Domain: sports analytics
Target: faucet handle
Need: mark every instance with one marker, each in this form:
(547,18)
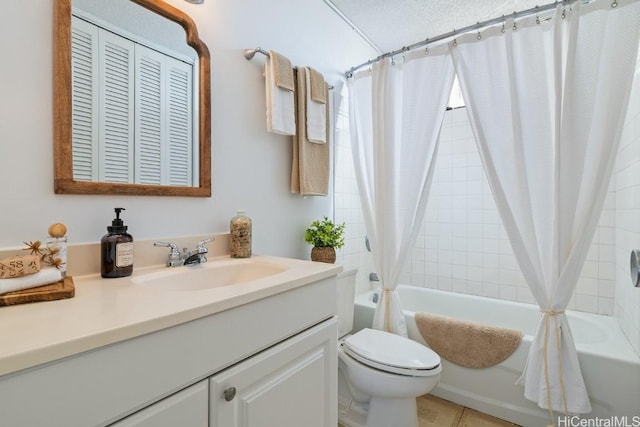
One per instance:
(201,245)
(174,254)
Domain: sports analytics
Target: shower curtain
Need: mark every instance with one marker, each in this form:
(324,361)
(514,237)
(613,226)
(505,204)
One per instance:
(547,102)
(396,112)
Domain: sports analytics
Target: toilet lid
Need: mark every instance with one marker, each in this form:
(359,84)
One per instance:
(387,349)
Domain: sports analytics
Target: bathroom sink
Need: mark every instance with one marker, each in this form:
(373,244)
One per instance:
(211,275)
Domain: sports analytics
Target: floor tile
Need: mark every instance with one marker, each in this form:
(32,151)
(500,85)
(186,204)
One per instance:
(472,418)
(436,412)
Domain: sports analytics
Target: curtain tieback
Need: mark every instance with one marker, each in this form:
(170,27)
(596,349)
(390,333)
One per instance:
(387,309)
(553,314)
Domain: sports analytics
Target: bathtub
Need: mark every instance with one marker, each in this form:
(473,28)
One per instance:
(610,366)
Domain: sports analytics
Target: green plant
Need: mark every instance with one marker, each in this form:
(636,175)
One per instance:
(325,234)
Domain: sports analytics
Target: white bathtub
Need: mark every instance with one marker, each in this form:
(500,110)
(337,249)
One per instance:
(610,366)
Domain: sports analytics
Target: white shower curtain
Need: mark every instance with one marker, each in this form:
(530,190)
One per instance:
(396,112)
(547,103)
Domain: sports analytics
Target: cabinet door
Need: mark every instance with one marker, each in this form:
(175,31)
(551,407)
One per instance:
(187,408)
(292,384)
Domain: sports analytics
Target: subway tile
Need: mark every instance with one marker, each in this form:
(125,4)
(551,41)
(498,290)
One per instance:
(444,283)
(588,303)
(491,260)
(474,287)
(587,286)
(508,292)
(460,285)
(491,290)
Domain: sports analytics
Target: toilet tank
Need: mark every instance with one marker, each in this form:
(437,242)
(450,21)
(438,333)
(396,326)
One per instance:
(346,294)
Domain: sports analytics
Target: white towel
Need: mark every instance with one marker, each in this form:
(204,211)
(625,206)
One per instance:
(316,116)
(281,116)
(45,276)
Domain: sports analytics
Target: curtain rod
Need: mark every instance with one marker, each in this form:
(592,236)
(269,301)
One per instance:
(250,53)
(469,28)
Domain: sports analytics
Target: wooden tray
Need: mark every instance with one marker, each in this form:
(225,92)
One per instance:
(59,290)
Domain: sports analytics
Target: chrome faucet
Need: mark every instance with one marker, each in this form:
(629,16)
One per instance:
(186,257)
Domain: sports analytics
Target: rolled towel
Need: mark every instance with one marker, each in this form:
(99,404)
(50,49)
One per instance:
(316,114)
(45,276)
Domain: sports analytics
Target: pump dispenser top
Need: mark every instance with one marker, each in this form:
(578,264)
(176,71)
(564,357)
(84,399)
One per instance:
(117,225)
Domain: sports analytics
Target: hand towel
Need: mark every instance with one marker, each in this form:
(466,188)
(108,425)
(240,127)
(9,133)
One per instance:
(280,102)
(318,86)
(311,162)
(282,71)
(45,276)
(316,114)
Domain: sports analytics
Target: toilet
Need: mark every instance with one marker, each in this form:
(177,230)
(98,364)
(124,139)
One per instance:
(379,374)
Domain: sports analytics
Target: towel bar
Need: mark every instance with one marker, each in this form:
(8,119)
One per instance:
(250,53)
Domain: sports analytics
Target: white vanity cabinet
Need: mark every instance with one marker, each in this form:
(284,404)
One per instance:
(278,351)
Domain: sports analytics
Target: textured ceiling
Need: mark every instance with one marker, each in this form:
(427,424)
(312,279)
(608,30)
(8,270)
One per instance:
(392,24)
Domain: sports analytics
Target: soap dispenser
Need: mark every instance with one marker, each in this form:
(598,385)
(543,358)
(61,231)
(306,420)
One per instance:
(117,249)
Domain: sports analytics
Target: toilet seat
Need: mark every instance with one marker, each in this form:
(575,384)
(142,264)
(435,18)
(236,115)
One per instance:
(391,353)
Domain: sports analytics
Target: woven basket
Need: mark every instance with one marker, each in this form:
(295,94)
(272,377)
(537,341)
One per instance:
(323,254)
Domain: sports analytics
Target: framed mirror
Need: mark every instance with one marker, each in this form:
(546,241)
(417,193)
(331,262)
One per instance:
(66,176)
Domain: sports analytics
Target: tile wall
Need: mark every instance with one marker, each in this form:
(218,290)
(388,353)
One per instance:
(627,219)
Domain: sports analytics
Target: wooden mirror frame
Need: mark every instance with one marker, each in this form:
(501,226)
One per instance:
(62,110)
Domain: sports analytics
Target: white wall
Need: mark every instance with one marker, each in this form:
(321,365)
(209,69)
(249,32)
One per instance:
(250,168)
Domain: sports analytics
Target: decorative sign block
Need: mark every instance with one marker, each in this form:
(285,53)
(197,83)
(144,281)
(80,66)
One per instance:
(19,266)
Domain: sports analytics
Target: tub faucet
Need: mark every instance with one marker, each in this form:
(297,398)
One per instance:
(186,257)
(199,256)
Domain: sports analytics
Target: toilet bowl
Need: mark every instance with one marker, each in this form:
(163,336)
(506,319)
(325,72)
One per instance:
(380,374)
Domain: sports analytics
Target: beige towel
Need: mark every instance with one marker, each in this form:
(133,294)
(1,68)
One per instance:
(318,86)
(316,114)
(282,71)
(281,116)
(465,343)
(310,166)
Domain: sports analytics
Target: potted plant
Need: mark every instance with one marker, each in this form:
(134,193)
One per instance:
(325,236)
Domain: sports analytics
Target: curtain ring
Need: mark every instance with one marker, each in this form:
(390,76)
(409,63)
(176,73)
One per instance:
(515,27)
(537,16)
(614,4)
(455,40)
(479,37)
(426,48)
(564,13)
(503,22)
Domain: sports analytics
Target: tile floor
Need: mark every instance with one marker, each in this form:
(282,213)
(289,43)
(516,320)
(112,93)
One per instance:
(436,412)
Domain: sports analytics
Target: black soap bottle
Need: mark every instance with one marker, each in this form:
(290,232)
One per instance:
(117,249)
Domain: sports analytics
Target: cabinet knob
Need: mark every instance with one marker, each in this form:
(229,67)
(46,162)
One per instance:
(229,394)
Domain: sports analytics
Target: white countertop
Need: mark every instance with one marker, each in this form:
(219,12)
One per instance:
(105,311)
